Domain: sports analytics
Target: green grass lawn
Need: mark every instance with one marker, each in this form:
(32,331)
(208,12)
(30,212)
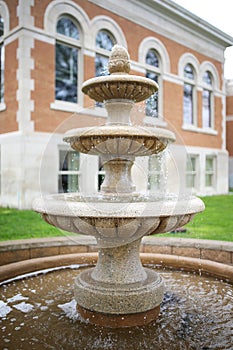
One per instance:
(216,222)
(20,224)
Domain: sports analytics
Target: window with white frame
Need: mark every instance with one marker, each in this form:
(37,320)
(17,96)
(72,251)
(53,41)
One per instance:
(67,59)
(210,171)
(207,100)
(69,171)
(154,173)
(104,44)
(152,72)
(189,95)
(2,60)
(191,171)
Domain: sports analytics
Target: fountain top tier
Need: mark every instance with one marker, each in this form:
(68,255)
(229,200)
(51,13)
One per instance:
(119,91)
(119,84)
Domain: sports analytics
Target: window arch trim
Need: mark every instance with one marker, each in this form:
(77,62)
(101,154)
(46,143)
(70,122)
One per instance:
(185,59)
(106,23)
(56,9)
(208,66)
(5,14)
(153,43)
(190,59)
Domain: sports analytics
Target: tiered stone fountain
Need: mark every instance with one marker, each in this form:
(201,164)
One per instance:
(119,291)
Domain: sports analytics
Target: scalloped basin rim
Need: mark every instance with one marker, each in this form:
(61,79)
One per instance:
(119,131)
(61,206)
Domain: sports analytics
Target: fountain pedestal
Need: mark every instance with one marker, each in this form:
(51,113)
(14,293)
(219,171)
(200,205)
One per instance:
(119,292)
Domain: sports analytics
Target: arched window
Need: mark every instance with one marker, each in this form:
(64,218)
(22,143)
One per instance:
(152,72)
(189,95)
(2,60)
(154,59)
(67,59)
(207,100)
(104,44)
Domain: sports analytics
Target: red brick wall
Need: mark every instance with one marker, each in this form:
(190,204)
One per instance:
(229,105)
(8,117)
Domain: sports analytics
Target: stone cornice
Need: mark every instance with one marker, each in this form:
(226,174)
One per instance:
(174,22)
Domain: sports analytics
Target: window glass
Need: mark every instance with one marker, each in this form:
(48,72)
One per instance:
(152,103)
(68,177)
(206,108)
(209,171)
(207,79)
(66,73)
(105,40)
(188,105)
(152,58)
(101,65)
(188,72)
(206,101)
(191,171)
(66,26)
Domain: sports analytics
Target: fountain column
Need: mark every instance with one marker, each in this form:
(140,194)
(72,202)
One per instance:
(119,292)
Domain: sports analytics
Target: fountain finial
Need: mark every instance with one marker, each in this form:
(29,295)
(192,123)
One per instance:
(119,60)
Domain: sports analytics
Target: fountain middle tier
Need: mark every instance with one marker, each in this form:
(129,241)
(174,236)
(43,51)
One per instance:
(119,140)
(118,221)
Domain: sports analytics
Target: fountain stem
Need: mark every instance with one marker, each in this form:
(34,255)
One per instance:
(119,265)
(118,179)
(119,111)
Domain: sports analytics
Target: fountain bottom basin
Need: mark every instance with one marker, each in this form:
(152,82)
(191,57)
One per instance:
(40,312)
(119,305)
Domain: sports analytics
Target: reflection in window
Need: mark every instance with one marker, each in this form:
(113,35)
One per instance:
(2,61)
(105,40)
(68,175)
(152,60)
(101,64)
(206,101)
(191,172)
(104,44)
(66,26)
(66,73)
(188,95)
(66,80)
(209,171)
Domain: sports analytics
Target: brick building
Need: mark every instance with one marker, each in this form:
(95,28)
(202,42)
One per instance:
(48,48)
